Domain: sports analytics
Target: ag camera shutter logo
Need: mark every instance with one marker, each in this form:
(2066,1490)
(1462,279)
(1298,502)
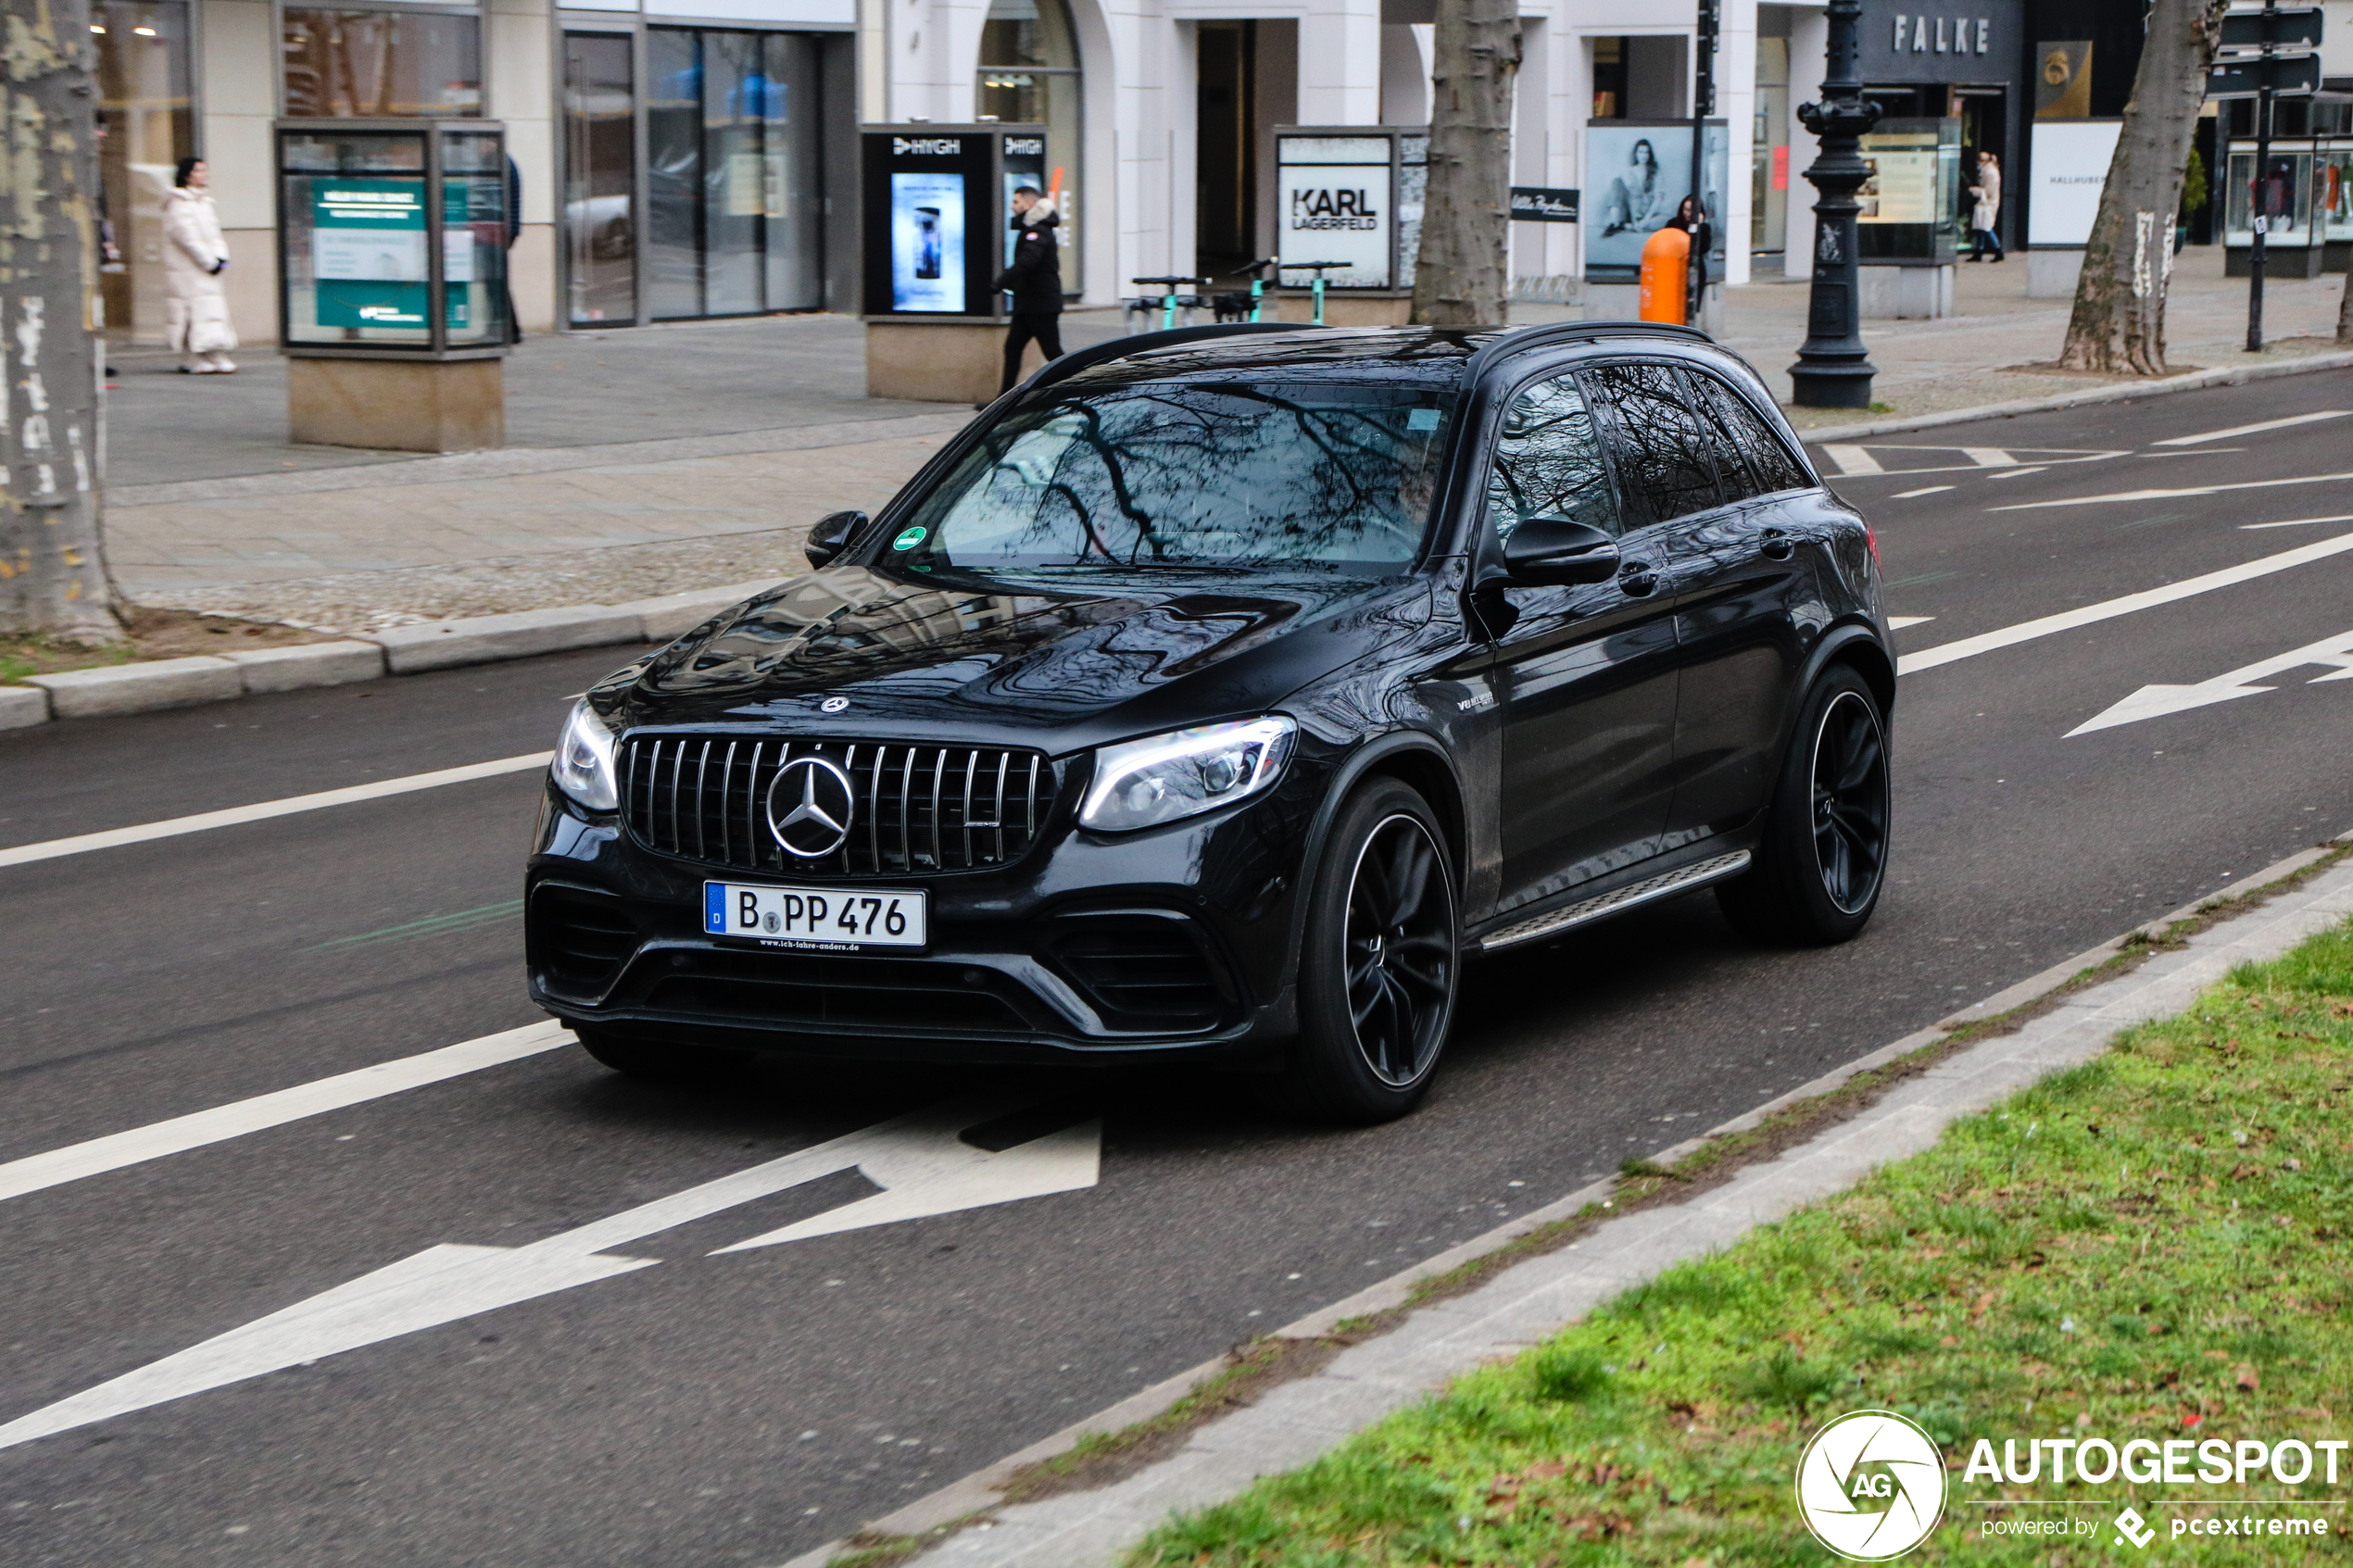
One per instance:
(1870,1486)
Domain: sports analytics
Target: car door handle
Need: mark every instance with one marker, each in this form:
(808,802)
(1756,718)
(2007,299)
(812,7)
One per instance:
(1637,578)
(1776,545)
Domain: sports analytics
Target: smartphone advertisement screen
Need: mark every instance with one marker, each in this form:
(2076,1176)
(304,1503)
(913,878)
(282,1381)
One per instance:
(933,219)
(928,242)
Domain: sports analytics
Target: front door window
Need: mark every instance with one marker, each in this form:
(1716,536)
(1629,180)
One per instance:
(1587,674)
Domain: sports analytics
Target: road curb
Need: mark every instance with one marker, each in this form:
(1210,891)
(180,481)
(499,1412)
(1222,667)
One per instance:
(2010,1062)
(160,683)
(2228,375)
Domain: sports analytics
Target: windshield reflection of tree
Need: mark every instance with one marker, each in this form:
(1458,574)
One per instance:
(1222,475)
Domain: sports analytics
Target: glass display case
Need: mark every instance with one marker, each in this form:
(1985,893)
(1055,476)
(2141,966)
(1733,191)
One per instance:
(2289,188)
(1913,206)
(393,238)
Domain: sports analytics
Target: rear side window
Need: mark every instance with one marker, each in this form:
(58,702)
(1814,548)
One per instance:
(1663,442)
(1770,468)
(1548,462)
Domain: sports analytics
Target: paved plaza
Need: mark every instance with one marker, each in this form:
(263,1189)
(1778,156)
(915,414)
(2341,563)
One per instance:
(656,459)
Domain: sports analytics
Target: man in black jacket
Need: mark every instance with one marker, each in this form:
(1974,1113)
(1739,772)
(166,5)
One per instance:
(1035,279)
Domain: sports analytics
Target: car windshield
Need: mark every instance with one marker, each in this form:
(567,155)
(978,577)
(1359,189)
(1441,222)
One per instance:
(1191,474)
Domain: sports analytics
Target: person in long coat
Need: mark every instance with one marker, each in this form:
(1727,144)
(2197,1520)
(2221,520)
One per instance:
(196,307)
(1988,211)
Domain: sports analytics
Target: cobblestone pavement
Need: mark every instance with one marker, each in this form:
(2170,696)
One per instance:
(664,458)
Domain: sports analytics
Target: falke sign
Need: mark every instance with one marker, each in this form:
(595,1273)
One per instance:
(1974,41)
(1921,35)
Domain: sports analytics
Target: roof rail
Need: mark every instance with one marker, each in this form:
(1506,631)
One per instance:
(1574,332)
(1080,360)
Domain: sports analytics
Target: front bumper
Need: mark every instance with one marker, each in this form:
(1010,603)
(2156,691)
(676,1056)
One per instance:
(1177,941)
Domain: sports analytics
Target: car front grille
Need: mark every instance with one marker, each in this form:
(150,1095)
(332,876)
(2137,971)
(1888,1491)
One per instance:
(914,808)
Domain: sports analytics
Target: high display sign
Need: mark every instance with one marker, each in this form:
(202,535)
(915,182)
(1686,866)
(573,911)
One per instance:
(937,198)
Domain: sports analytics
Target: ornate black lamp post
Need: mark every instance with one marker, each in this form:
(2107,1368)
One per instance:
(1831,371)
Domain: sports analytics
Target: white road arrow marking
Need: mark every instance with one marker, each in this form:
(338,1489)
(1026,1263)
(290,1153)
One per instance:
(2155,702)
(2173,495)
(919,1159)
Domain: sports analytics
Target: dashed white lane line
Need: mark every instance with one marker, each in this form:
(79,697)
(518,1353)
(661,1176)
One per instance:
(179,1134)
(1930,490)
(2297,522)
(172,827)
(2026,632)
(1898,623)
(1852,460)
(2252,429)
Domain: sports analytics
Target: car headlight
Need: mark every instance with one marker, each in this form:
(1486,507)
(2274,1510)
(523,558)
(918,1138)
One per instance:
(583,768)
(1141,783)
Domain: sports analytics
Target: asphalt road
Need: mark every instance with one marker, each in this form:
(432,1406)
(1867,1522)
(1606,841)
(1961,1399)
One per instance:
(743,1407)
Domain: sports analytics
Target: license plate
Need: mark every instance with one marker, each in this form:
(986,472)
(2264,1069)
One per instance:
(817,917)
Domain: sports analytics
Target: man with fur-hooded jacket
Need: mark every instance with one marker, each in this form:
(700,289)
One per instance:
(1035,279)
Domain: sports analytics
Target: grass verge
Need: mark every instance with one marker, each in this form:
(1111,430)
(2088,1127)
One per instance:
(2153,1245)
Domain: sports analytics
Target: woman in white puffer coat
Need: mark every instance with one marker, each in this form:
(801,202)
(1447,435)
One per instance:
(196,307)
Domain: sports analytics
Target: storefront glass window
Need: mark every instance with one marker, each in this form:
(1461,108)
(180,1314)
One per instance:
(1029,75)
(733,172)
(344,65)
(144,115)
(601,178)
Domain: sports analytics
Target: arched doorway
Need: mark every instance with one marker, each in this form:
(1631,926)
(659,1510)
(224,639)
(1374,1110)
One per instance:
(1029,74)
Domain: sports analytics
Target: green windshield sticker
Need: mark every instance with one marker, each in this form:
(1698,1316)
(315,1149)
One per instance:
(908,539)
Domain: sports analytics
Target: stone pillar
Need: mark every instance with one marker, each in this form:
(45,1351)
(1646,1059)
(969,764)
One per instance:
(236,69)
(1339,63)
(518,61)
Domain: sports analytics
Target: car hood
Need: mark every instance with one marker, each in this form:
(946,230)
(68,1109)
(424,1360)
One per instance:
(1057,669)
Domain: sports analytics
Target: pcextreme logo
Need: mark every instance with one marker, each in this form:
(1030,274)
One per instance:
(1870,1486)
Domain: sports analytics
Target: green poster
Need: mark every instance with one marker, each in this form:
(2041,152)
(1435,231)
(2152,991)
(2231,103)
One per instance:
(367,251)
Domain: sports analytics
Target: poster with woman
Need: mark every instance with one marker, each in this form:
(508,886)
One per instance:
(1637,174)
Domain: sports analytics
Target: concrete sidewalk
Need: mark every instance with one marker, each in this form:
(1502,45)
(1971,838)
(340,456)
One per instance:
(657,459)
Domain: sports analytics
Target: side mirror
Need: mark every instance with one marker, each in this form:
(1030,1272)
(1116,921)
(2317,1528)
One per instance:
(830,534)
(1552,549)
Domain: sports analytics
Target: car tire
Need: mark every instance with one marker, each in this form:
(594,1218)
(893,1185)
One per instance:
(654,1062)
(1381,962)
(1822,861)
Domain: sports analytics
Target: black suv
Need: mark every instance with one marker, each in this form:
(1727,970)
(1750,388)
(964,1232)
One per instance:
(1218,694)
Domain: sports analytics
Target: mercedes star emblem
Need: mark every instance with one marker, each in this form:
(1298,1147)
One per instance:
(809,807)
(834,704)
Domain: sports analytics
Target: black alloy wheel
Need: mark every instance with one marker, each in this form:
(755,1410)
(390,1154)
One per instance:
(1821,859)
(1382,958)
(1850,802)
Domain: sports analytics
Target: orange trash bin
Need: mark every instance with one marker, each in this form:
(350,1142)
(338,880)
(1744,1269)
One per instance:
(1666,257)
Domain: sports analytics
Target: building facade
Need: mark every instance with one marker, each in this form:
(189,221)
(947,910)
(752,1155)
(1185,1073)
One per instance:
(688,158)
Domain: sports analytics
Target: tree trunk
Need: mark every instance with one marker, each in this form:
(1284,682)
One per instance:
(1460,273)
(2119,324)
(52,575)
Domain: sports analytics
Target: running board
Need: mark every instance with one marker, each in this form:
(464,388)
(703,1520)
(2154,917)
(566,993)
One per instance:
(1625,898)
